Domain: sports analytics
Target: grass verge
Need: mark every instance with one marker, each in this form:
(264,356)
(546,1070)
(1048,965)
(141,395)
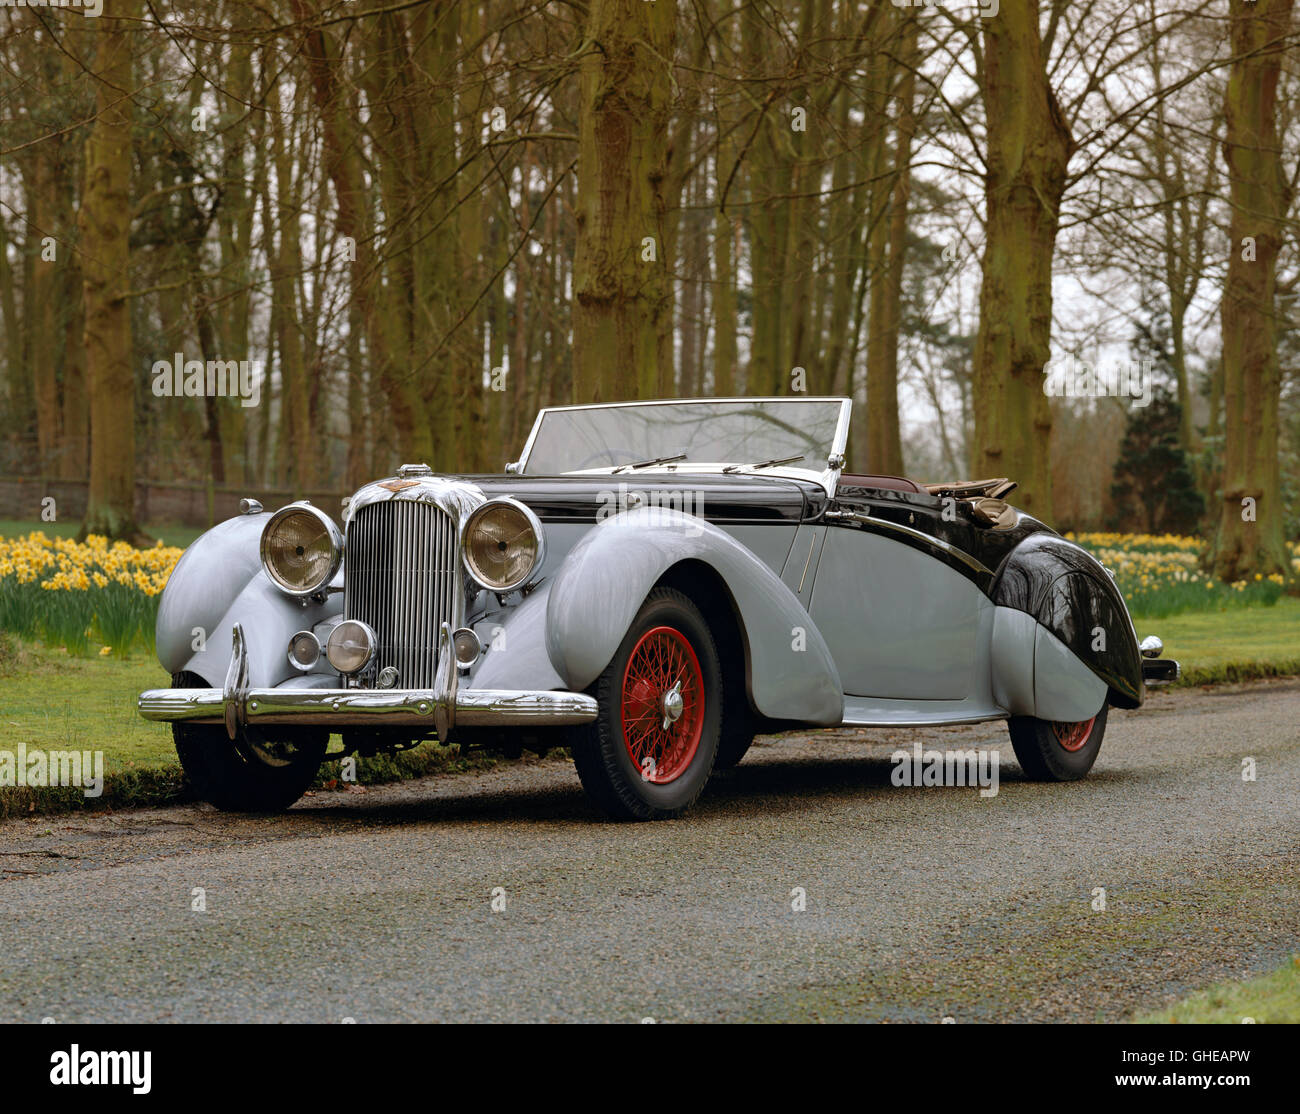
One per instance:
(1271,999)
(1234,644)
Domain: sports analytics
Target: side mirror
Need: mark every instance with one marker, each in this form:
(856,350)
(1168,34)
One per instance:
(512,469)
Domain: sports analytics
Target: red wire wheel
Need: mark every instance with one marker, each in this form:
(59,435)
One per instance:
(662,684)
(1073,736)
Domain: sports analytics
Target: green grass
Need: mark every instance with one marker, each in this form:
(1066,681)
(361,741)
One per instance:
(54,701)
(1234,644)
(1270,999)
(170,535)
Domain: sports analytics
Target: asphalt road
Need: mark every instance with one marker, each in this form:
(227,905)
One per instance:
(921,903)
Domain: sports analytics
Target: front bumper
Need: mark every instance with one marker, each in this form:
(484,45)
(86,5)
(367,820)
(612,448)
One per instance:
(437,709)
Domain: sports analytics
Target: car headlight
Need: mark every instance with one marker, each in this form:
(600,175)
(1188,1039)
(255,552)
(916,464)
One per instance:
(301,549)
(503,545)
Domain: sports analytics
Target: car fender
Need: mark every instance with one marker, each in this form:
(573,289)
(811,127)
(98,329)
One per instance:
(219,582)
(514,647)
(1072,596)
(601,585)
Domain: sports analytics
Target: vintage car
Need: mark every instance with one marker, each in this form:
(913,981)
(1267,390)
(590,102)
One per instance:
(651,584)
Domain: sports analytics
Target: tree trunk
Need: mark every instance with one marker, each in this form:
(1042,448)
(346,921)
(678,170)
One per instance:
(19,415)
(296,445)
(1250,538)
(343,162)
(40,306)
(621,292)
(891,462)
(1029,146)
(105,225)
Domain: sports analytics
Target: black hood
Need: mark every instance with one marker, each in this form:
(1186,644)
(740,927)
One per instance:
(716,498)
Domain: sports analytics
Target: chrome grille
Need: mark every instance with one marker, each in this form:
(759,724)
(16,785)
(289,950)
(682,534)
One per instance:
(400,578)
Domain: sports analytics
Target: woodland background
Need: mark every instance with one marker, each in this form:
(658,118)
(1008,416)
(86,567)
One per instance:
(422,220)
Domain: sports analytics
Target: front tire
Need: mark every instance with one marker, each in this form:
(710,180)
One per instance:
(259,773)
(1051,751)
(665,671)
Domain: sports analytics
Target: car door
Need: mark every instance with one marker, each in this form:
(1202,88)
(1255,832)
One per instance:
(899,608)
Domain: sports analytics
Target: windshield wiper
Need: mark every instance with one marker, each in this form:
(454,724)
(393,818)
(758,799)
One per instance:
(766,463)
(648,463)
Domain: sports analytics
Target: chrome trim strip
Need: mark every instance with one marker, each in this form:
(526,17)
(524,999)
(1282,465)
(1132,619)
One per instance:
(919,535)
(812,544)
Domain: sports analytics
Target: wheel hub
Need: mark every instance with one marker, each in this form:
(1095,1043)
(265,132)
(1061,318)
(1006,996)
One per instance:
(672,705)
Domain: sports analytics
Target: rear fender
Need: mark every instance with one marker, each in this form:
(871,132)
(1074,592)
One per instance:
(1070,594)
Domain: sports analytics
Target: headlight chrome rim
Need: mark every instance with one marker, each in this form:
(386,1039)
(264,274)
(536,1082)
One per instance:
(333,646)
(534,524)
(336,547)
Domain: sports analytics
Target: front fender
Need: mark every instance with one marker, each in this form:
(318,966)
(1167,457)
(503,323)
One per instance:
(600,587)
(219,582)
(1070,593)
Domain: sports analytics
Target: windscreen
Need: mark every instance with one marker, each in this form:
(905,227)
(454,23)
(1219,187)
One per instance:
(738,431)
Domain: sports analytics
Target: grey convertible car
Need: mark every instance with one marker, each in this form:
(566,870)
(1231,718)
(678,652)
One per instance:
(651,584)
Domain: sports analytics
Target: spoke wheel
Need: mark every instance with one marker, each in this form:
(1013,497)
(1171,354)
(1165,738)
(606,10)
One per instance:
(663,704)
(652,746)
(1073,736)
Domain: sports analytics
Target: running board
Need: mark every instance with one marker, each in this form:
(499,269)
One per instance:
(878,711)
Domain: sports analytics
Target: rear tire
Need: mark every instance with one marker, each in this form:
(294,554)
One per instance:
(737,738)
(1051,751)
(629,765)
(259,773)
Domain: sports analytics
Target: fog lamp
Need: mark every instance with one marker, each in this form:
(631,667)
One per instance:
(351,646)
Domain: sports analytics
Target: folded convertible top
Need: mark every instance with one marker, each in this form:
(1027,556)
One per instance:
(998,488)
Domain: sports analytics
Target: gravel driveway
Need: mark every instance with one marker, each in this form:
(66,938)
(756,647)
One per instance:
(920,903)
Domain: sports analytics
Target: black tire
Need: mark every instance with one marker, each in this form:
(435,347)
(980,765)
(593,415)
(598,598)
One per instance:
(260,773)
(613,780)
(1044,756)
(737,737)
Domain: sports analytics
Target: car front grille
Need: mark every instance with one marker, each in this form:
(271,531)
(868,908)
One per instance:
(400,578)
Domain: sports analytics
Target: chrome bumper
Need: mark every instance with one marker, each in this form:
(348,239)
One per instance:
(437,709)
